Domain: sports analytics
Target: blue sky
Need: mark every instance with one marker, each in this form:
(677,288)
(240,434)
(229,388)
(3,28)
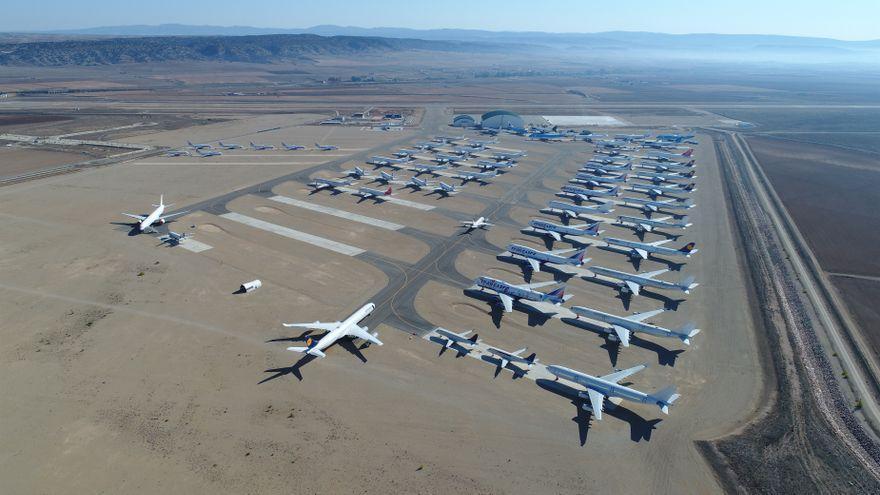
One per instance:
(847,19)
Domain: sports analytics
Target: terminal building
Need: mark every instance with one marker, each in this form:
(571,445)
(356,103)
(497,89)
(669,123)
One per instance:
(500,119)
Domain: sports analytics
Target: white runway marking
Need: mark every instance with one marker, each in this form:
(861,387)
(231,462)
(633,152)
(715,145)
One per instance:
(314,240)
(398,201)
(338,213)
(194,246)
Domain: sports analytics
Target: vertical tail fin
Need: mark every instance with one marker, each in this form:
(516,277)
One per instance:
(687,248)
(557,294)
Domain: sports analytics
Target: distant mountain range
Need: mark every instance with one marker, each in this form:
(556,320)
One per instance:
(142,43)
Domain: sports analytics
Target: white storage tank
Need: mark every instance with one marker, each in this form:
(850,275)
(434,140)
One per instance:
(251,286)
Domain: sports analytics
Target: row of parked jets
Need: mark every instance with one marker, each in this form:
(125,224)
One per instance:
(206,150)
(589,189)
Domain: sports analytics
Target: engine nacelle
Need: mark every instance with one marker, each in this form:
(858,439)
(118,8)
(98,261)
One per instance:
(161,221)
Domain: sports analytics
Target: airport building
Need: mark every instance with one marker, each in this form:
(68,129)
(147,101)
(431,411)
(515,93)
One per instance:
(500,119)
(463,121)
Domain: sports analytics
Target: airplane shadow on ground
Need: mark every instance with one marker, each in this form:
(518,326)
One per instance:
(346,343)
(640,428)
(517,371)
(459,350)
(132,228)
(665,357)
(496,311)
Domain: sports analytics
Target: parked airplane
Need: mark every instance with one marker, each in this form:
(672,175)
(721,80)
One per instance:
(655,191)
(320,183)
(478,143)
(374,194)
(508,155)
(583,194)
(199,146)
(644,249)
(479,223)
(229,146)
(453,338)
(622,327)
(600,387)
(385,178)
(384,161)
(417,183)
(659,177)
(337,330)
(536,258)
(444,158)
(177,153)
(597,180)
(661,156)
(292,147)
(557,232)
(633,282)
(146,222)
(648,225)
(357,173)
(262,147)
(651,205)
(675,137)
(507,357)
(326,147)
(570,210)
(481,177)
(173,238)
(546,136)
(421,168)
(604,168)
(204,153)
(490,165)
(426,145)
(402,153)
(631,137)
(523,293)
(447,190)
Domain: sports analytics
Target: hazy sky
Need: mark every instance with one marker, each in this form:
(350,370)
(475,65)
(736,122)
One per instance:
(846,19)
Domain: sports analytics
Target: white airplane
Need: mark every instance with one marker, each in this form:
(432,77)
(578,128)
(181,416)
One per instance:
(421,168)
(374,194)
(508,155)
(384,161)
(481,177)
(335,331)
(453,338)
(292,147)
(667,166)
(262,147)
(654,205)
(490,165)
(199,146)
(644,249)
(668,157)
(417,183)
(557,232)
(633,282)
(600,387)
(357,173)
(229,146)
(155,218)
(507,357)
(658,177)
(402,153)
(177,153)
(385,178)
(649,224)
(326,147)
(479,223)
(524,293)
(536,258)
(206,153)
(622,327)
(654,191)
(321,183)
(597,180)
(570,210)
(444,158)
(173,238)
(447,190)
(583,194)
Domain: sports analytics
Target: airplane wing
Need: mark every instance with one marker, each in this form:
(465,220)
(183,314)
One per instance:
(315,325)
(633,287)
(622,334)
(174,214)
(554,235)
(644,316)
(362,333)
(597,400)
(139,217)
(660,242)
(654,273)
(620,375)
(642,253)
(507,301)
(536,266)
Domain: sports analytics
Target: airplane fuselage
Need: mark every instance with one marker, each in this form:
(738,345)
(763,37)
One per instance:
(604,387)
(502,287)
